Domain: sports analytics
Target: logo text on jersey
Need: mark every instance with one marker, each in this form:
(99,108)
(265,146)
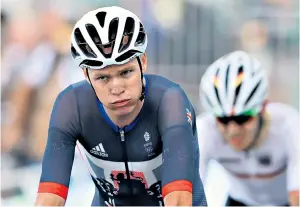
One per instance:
(148,145)
(99,150)
(189,116)
(147,136)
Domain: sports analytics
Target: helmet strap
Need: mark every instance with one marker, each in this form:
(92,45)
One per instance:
(142,76)
(88,75)
(257,133)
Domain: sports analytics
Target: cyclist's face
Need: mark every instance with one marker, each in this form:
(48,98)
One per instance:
(119,87)
(238,131)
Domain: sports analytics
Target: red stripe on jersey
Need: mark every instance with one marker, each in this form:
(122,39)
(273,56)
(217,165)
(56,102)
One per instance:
(54,188)
(178,185)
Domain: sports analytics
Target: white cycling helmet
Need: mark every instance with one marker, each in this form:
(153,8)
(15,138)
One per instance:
(107,36)
(233,85)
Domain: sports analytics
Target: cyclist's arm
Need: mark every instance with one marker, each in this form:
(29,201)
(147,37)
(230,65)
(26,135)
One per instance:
(180,148)
(204,146)
(204,160)
(49,199)
(293,149)
(178,198)
(59,153)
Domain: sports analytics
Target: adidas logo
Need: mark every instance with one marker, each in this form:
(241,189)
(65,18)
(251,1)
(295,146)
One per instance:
(99,150)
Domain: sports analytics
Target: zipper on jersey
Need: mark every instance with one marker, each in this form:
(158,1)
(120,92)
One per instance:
(123,143)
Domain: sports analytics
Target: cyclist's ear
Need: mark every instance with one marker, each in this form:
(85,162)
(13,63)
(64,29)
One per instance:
(144,62)
(86,75)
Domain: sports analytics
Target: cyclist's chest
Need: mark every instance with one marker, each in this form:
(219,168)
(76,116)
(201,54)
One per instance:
(266,162)
(121,162)
(141,143)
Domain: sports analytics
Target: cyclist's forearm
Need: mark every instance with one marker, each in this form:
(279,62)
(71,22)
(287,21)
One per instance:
(49,199)
(178,198)
(294,198)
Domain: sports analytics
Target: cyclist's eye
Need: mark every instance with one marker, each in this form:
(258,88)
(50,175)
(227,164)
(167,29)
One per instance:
(102,78)
(242,119)
(223,120)
(126,72)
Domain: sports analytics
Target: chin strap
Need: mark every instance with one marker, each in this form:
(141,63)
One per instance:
(257,134)
(143,86)
(88,75)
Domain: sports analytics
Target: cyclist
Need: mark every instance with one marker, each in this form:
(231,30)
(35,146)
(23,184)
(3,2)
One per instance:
(137,133)
(256,141)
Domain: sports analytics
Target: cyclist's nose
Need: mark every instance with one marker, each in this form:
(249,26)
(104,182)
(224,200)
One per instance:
(117,91)
(116,86)
(232,126)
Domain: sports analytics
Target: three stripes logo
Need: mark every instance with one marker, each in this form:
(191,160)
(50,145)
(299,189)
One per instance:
(99,150)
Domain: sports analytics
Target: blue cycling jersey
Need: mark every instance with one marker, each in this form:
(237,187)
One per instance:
(136,165)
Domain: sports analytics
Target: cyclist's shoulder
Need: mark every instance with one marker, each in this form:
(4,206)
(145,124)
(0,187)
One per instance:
(282,116)
(80,88)
(76,102)
(281,109)
(206,119)
(160,86)
(159,82)
(207,129)
(79,96)
(282,120)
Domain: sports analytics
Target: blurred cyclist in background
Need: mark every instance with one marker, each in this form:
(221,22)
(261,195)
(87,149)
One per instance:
(136,132)
(256,141)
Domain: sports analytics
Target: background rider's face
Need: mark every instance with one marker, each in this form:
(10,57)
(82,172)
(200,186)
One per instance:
(238,136)
(119,87)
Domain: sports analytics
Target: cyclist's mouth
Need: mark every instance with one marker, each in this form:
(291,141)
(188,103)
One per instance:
(236,140)
(121,103)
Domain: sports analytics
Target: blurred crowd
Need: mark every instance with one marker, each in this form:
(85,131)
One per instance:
(185,36)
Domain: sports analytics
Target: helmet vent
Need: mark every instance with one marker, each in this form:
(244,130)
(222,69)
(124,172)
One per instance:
(82,44)
(216,89)
(101,18)
(253,91)
(237,90)
(74,53)
(140,40)
(92,63)
(226,79)
(127,55)
(127,34)
(208,101)
(104,49)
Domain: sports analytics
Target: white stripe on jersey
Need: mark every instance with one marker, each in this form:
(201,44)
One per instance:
(145,167)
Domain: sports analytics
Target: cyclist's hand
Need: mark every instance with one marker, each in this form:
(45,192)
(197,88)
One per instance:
(294,198)
(179,198)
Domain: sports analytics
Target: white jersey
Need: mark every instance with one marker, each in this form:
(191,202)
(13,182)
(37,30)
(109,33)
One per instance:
(265,174)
